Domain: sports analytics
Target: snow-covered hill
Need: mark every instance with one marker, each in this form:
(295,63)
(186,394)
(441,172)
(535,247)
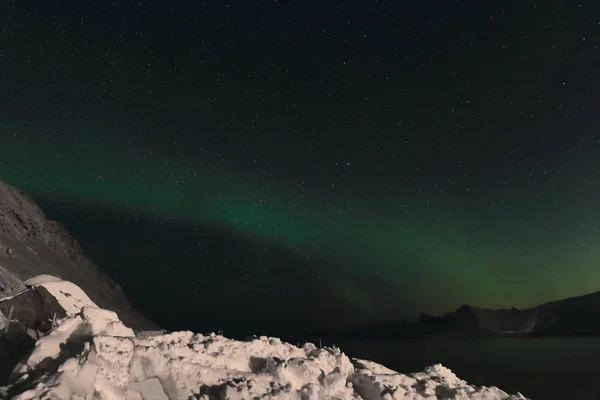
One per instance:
(31,245)
(91,354)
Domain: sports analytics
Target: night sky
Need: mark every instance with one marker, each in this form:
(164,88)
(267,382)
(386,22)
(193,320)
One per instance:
(313,162)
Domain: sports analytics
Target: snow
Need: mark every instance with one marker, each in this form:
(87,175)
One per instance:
(3,320)
(40,280)
(70,296)
(93,355)
(70,337)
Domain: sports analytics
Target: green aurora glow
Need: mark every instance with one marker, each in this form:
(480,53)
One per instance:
(449,259)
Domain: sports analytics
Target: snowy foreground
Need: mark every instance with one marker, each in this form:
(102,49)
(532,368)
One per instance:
(92,355)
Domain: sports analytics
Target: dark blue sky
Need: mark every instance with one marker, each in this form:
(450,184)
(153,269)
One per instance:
(333,162)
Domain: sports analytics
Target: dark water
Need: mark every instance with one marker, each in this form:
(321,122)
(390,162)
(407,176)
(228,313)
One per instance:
(544,369)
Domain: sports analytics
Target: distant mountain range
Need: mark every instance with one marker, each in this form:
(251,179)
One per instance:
(32,245)
(572,316)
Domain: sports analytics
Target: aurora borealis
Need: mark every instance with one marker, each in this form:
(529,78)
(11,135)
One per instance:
(330,162)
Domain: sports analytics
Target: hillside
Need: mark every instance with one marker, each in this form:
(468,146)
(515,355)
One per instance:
(571,316)
(32,245)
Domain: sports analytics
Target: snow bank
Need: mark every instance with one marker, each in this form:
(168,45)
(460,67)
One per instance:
(40,280)
(69,339)
(70,296)
(93,355)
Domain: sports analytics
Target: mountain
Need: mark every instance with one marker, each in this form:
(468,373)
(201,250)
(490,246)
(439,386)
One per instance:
(32,245)
(88,353)
(571,316)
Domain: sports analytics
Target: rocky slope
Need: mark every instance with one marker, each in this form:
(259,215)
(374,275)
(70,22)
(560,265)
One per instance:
(32,245)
